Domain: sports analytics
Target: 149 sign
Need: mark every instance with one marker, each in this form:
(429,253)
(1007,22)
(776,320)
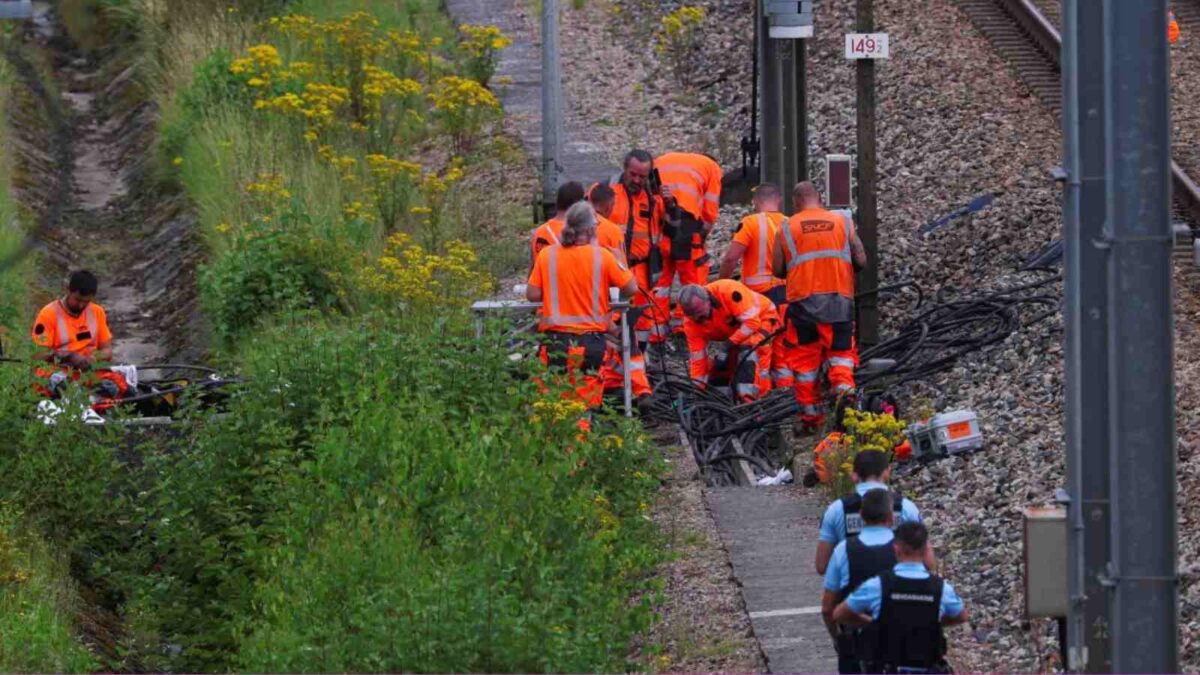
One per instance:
(866,45)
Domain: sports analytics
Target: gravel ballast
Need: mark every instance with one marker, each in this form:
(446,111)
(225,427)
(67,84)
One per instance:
(954,123)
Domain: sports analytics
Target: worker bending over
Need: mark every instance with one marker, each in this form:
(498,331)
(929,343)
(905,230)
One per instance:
(691,191)
(639,211)
(726,310)
(817,252)
(753,248)
(843,518)
(72,335)
(907,607)
(854,561)
(610,237)
(571,279)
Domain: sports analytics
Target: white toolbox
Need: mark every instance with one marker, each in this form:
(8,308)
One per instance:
(948,433)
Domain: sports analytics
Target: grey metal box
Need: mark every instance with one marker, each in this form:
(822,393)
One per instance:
(1046,592)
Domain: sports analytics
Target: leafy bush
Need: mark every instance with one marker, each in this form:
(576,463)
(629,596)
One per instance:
(486,533)
(271,268)
(864,431)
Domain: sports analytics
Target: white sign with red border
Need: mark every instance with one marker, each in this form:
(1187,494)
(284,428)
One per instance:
(866,46)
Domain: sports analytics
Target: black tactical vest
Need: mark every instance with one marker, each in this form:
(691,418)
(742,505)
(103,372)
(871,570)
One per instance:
(910,628)
(852,507)
(866,562)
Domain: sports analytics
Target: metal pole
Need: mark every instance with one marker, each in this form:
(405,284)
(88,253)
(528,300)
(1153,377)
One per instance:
(867,220)
(784,113)
(1086,335)
(552,105)
(626,366)
(1142,396)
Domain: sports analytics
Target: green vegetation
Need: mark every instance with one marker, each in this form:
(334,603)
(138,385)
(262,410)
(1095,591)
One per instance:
(385,491)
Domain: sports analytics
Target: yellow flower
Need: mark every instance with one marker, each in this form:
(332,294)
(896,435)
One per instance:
(222,228)
(178,161)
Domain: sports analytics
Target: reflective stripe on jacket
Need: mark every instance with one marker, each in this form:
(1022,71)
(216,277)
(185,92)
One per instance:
(575,282)
(757,233)
(817,253)
(696,180)
(739,315)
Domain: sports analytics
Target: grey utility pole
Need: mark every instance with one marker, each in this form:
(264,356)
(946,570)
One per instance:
(1086,335)
(867,217)
(784,103)
(552,106)
(1141,395)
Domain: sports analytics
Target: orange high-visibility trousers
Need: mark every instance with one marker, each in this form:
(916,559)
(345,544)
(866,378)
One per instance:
(643,328)
(781,348)
(582,359)
(689,273)
(612,373)
(815,345)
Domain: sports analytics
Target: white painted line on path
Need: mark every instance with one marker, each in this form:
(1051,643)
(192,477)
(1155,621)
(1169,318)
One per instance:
(795,611)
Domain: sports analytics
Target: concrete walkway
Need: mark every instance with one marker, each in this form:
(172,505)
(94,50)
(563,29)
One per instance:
(771,535)
(521,62)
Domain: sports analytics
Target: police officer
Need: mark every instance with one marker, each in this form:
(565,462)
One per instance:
(843,518)
(854,561)
(908,607)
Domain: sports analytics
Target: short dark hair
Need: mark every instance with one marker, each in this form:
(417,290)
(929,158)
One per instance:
(602,194)
(912,536)
(83,282)
(876,505)
(870,464)
(568,195)
(768,191)
(640,155)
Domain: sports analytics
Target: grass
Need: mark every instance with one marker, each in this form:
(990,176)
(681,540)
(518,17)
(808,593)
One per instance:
(386,492)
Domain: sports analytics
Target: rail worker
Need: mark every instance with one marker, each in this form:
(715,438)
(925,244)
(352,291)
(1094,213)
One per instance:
(550,232)
(726,310)
(691,191)
(843,517)
(72,336)
(753,247)
(1172,27)
(817,251)
(610,236)
(572,279)
(854,561)
(908,607)
(639,210)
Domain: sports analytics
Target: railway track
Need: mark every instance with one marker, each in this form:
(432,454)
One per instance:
(1031,45)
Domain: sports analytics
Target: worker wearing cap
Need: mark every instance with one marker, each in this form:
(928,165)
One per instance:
(639,212)
(571,279)
(610,237)
(817,252)
(72,333)
(727,310)
(753,248)
(691,191)
(908,607)
(854,561)
(843,518)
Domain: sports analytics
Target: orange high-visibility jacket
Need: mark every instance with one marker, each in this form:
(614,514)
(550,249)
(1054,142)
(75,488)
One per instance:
(640,219)
(610,236)
(739,315)
(758,232)
(575,282)
(696,181)
(817,253)
(1172,27)
(56,329)
(548,233)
